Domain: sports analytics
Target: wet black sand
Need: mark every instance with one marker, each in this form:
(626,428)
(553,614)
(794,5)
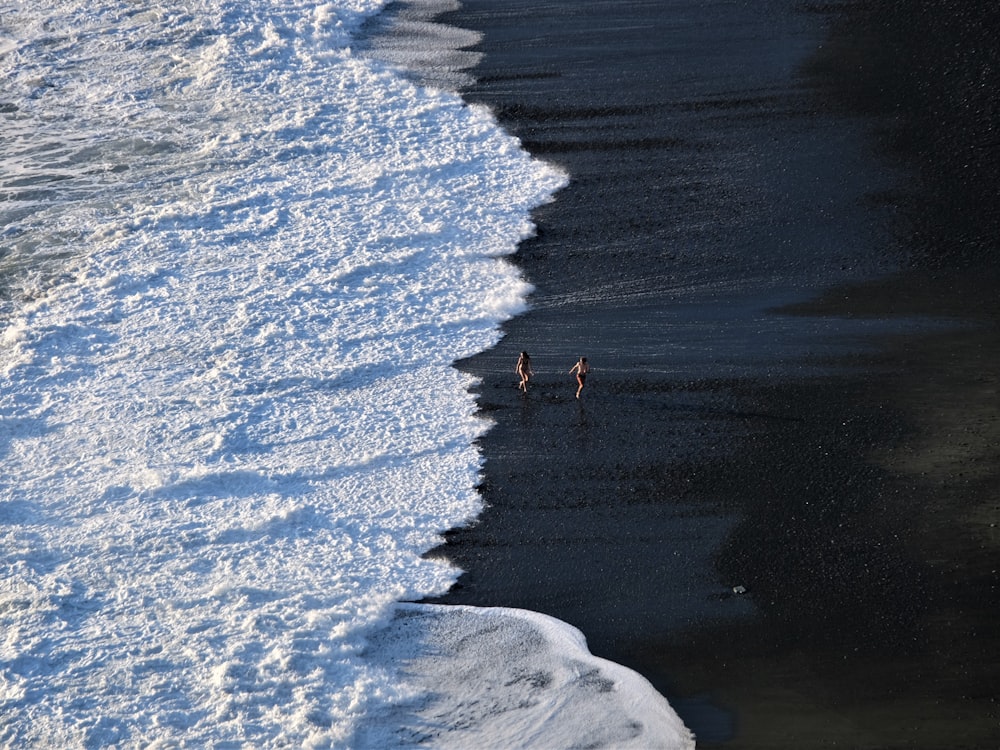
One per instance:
(778,251)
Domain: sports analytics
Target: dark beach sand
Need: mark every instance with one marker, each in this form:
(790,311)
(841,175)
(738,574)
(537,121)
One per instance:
(778,251)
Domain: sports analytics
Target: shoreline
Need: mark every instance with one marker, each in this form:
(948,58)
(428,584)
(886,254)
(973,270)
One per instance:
(768,408)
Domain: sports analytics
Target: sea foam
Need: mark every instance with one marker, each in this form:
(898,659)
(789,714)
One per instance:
(239,260)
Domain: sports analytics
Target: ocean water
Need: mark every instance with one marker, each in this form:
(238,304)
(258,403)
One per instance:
(237,259)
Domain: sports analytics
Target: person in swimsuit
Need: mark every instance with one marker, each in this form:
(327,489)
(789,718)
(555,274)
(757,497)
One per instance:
(581,369)
(524,370)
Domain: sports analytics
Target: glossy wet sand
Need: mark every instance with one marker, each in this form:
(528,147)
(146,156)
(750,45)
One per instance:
(787,291)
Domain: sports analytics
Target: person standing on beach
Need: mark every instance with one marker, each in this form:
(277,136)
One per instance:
(524,370)
(581,369)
